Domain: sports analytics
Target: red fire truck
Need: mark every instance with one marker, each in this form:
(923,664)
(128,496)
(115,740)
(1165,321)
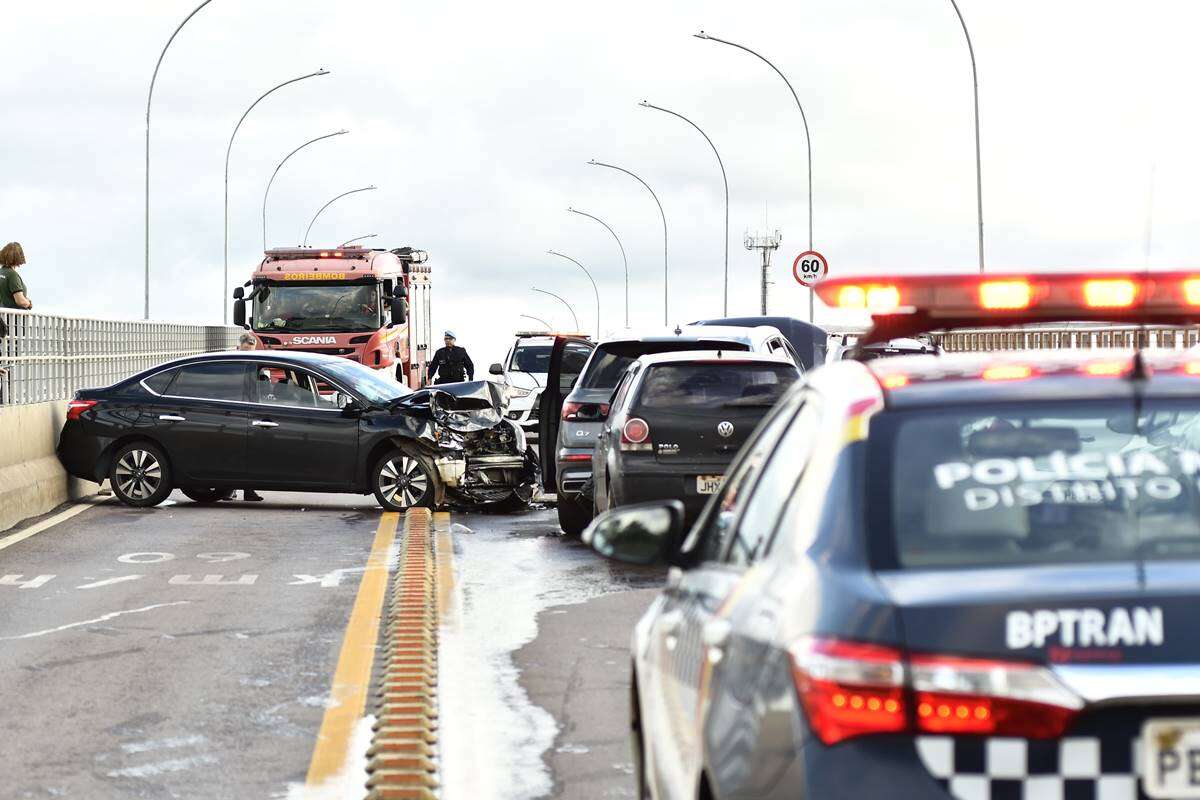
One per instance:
(368,305)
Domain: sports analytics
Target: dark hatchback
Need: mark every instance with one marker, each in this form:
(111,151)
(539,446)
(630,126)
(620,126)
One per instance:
(678,419)
(297,422)
(964,577)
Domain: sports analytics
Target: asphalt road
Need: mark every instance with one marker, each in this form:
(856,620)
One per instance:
(535,663)
(187,652)
(177,652)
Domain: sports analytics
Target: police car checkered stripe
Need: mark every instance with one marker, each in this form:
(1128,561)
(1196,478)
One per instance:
(1072,768)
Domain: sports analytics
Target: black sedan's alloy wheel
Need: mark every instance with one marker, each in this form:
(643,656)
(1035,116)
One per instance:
(139,475)
(402,481)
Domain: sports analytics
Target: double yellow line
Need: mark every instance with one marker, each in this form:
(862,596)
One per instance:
(352,678)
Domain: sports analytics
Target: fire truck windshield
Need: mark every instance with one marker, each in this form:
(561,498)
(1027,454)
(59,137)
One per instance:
(345,308)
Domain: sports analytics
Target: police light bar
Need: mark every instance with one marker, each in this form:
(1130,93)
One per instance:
(298,253)
(907,306)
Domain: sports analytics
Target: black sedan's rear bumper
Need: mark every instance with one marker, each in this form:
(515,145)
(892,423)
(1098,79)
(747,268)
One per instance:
(81,454)
(643,482)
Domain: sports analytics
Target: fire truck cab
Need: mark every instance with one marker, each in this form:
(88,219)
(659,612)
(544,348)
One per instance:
(371,306)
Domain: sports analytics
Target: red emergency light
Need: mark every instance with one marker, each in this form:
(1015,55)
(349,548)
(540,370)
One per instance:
(906,306)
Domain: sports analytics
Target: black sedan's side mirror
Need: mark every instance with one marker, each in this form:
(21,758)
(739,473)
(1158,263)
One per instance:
(643,533)
(352,409)
(496,369)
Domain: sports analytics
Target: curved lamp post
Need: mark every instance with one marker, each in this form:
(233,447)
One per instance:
(590,278)
(228,152)
(978,159)
(662,213)
(331,202)
(276,172)
(623,258)
(545,324)
(358,239)
(564,302)
(724,178)
(807,139)
(149,98)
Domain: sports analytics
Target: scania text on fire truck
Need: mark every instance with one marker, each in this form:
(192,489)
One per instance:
(371,306)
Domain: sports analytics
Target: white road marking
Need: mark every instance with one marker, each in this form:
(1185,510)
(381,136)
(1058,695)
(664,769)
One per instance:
(159,767)
(162,744)
(44,525)
(145,558)
(32,583)
(216,558)
(212,580)
(109,582)
(97,620)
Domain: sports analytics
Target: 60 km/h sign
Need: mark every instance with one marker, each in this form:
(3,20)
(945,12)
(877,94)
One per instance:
(810,268)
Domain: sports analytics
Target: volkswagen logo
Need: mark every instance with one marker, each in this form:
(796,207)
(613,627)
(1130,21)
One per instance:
(725,429)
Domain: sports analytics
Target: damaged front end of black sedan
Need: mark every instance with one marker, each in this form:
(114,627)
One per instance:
(479,456)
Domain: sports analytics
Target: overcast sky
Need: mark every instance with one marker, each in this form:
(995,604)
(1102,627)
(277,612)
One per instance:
(477,120)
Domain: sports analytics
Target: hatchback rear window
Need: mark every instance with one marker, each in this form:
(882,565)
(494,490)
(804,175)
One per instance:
(715,385)
(610,360)
(1036,483)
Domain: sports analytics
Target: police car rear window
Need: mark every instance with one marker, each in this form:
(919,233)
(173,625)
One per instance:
(1037,483)
(611,359)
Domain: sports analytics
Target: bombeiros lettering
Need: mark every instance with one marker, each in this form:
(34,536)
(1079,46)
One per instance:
(1085,627)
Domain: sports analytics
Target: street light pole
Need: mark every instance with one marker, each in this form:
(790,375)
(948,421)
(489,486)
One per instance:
(545,324)
(228,152)
(590,278)
(978,157)
(623,258)
(663,214)
(807,139)
(276,172)
(574,316)
(724,178)
(149,98)
(331,202)
(358,239)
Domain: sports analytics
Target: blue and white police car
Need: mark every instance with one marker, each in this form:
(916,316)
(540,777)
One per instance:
(969,576)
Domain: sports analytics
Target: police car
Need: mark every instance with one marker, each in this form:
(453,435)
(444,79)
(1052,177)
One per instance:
(927,577)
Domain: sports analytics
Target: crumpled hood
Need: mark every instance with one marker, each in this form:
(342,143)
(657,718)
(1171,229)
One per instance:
(464,407)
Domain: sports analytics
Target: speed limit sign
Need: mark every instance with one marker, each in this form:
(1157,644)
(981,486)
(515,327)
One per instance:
(810,268)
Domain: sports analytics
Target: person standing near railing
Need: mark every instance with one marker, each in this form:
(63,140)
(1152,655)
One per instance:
(13,293)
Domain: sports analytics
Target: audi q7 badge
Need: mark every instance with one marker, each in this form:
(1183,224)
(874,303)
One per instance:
(725,429)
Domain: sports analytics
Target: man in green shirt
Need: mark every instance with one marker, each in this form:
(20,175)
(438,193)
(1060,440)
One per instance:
(12,288)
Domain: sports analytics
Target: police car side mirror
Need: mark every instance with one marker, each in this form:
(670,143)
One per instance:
(643,533)
(496,369)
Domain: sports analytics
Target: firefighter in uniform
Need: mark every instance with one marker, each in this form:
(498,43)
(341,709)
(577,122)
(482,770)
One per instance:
(451,363)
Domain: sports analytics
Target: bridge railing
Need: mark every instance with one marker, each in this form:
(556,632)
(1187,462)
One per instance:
(47,357)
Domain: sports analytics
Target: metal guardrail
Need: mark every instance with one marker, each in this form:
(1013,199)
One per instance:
(48,357)
(1042,337)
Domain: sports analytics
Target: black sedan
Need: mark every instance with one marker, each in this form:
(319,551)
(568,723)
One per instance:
(678,419)
(295,422)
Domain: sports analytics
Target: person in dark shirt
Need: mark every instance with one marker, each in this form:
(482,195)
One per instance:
(451,363)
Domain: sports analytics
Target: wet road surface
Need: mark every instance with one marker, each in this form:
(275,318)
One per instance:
(535,663)
(178,652)
(187,652)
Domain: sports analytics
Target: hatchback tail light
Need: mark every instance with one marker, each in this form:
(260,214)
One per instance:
(849,689)
(584,412)
(635,434)
(77,407)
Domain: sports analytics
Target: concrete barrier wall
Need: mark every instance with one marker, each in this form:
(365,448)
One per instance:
(32,482)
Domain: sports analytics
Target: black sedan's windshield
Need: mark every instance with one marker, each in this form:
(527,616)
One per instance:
(374,386)
(344,308)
